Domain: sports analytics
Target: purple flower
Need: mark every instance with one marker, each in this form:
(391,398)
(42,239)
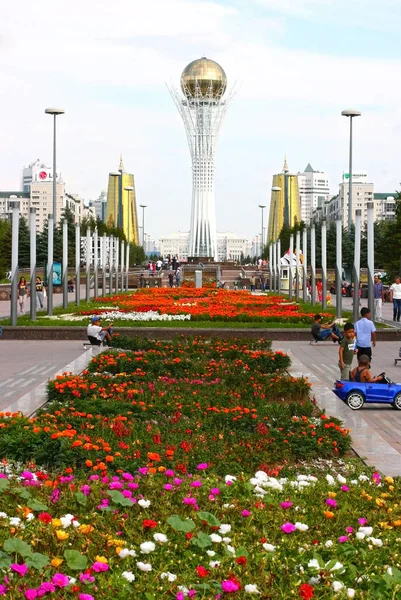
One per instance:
(331,502)
(127,476)
(345,488)
(100,567)
(285,504)
(169,473)
(55,495)
(46,587)
(60,580)
(20,569)
(177,481)
(288,527)
(132,485)
(342,539)
(30,594)
(65,479)
(362,521)
(3,590)
(27,475)
(168,486)
(85,597)
(143,470)
(350,530)
(196,483)
(376,478)
(93,477)
(85,577)
(189,500)
(229,586)
(246,513)
(85,489)
(202,466)
(215,491)
(115,485)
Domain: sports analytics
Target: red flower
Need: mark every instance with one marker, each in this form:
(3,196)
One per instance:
(305,591)
(189,535)
(202,572)
(45,518)
(241,560)
(149,524)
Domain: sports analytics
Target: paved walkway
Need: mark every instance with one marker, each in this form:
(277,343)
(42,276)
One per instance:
(375,429)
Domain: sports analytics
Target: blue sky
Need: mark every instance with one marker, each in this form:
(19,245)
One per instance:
(298,64)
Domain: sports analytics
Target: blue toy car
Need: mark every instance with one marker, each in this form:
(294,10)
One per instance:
(355,394)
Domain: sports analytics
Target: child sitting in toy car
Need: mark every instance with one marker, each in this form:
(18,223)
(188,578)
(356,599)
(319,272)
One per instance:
(361,373)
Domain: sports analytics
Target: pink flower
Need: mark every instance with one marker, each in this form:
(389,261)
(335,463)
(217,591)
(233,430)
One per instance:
(245,513)
(20,569)
(331,502)
(345,488)
(342,539)
(177,481)
(215,491)
(3,590)
(27,475)
(169,473)
(143,470)
(93,477)
(376,478)
(168,486)
(85,597)
(229,586)
(288,528)
(202,466)
(46,587)
(31,594)
(127,476)
(100,567)
(196,483)
(86,489)
(285,504)
(349,530)
(362,521)
(180,596)
(85,577)
(60,580)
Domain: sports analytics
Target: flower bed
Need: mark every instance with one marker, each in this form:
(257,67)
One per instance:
(200,305)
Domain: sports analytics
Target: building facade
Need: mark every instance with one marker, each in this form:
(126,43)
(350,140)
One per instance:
(229,246)
(41,198)
(37,172)
(362,193)
(202,108)
(284,204)
(121,210)
(313,191)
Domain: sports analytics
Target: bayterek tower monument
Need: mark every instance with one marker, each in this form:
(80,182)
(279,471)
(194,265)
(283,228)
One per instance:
(202,108)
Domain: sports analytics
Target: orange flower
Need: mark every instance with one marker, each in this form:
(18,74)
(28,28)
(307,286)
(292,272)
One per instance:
(328,514)
(56,562)
(62,535)
(89,463)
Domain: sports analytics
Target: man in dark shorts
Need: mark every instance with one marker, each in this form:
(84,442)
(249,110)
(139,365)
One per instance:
(365,334)
(323,332)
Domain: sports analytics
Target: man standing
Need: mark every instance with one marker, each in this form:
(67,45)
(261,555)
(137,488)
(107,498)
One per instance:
(395,298)
(378,296)
(365,334)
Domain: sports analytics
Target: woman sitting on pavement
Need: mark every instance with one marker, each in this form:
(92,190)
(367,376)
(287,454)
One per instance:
(320,332)
(361,373)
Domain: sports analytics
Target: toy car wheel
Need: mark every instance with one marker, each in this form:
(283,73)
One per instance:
(355,400)
(397,402)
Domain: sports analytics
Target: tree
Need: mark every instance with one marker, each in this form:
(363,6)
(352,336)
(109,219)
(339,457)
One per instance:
(5,262)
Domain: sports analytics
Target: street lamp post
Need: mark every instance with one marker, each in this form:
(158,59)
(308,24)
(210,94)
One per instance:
(54,112)
(130,190)
(351,113)
(143,206)
(14,261)
(262,207)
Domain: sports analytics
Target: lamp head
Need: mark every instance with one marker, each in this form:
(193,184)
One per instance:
(275,188)
(115,174)
(143,205)
(54,111)
(129,188)
(262,205)
(350,112)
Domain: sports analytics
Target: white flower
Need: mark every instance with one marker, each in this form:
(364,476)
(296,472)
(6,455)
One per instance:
(261,475)
(215,538)
(350,593)
(366,530)
(15,521)
(76,524)
(224,528)
(147,547)
(169,576)
(226,540)
(228,506)
(230,549)
(144,503)
(214,564)
(363,478)
(269,547)
(123,553)
(337,586)
(337,566)
(129,576)
(360,535)
(66,521)
(314,580)
(251,588)
(389,571)
(30,517)
(230,478)
(210,552)
(375,541)
(146,567)
(328,544)
(341,479)
(72,581)
(330,479)
(160,537)
(3,515)
(314,564)
(132,553)
(301,526)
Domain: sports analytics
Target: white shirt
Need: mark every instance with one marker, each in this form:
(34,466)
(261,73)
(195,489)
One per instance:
(94,331)
(396,289)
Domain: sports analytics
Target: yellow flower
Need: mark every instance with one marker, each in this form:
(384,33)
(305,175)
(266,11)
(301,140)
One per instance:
(101,559)
(391,488)
(85,529)
(385,525)
(56,562)
(385,495)
(389,480)
(380,502)
(118,549)
(332,494)
(56,522)
(62,535)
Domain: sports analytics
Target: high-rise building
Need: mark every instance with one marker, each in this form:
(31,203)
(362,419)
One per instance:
(121,210)
(362,192)
(284,204)
(202,108)
(313,191)
(37,172)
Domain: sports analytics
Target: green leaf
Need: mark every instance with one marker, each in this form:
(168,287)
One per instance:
(4,483)
(5,560)
(36,505)
(118,498)
(75,560)
(17,545)
(185,525)
(241,551)
(202,540)
(23,493)
(37,561)
(149,596)
(320,560)
(209,518)
(81,498)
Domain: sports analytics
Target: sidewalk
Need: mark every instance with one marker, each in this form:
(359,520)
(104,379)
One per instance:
(375,429)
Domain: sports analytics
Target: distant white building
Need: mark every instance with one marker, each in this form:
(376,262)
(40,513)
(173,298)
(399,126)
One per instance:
(362,193)
(229,246)
(99,205)
(175,244)
(37,172)
(313,191)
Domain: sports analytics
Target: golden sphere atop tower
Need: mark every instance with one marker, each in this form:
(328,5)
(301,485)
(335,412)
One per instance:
(203,78)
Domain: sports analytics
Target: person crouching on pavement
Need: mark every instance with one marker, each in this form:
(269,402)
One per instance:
(320,332)
(98,332)
(347,351)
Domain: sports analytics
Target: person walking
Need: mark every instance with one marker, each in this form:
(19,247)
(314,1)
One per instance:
(378,298)
(252,281)
(365,334)
(171,278)
(395,298)
(178,274)
(22,292)
(40,296)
